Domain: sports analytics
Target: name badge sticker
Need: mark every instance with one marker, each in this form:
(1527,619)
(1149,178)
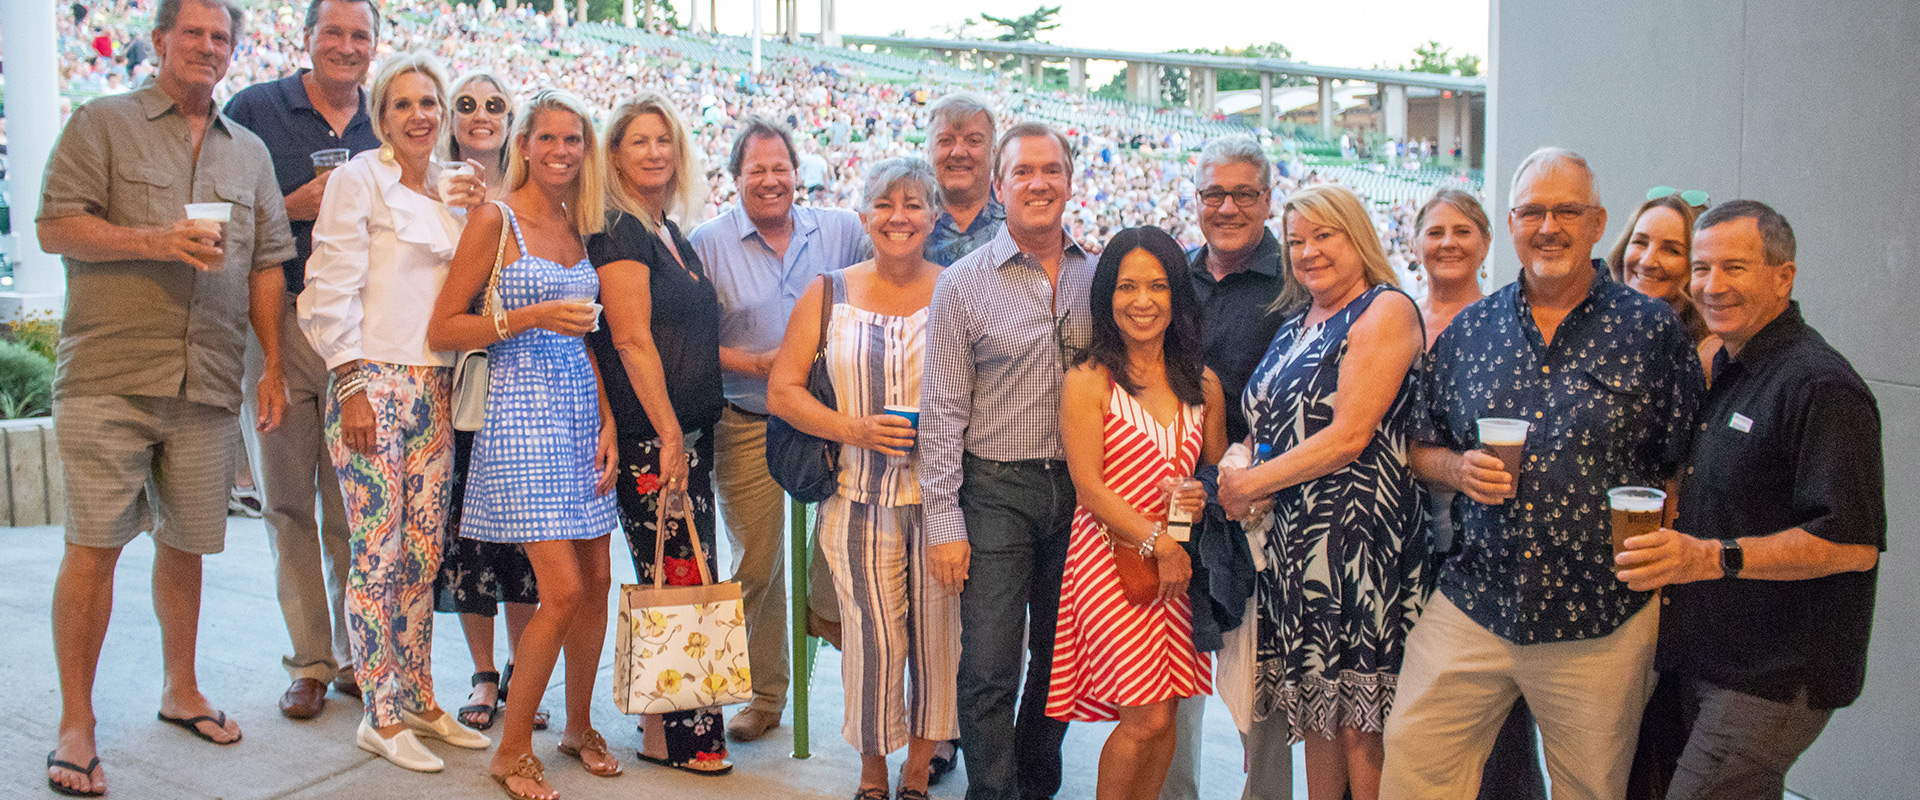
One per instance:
(1740,422)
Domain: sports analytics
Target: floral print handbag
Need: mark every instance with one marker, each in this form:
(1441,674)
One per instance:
(680,648)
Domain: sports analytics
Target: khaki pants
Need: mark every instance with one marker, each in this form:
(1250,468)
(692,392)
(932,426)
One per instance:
(1458,684)
(291,468)
(754,510)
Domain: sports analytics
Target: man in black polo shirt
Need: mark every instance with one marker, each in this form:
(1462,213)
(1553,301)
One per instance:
(322,108)
(1769,598)
(1236,275)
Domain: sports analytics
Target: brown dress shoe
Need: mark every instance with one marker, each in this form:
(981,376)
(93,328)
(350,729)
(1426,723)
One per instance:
(751,723)
(347,686)
(304,699)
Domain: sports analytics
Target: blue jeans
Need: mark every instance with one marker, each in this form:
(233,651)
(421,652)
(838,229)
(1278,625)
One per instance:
(1018,515)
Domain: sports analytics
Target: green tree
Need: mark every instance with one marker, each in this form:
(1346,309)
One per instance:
(1437,58)
(1232,80)
(1025,28)
(608,11)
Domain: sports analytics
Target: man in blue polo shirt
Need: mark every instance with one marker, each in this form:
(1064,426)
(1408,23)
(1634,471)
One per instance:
(1527,604)
(322,108)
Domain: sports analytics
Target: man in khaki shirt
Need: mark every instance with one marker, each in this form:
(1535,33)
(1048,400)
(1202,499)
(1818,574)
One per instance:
(147,392)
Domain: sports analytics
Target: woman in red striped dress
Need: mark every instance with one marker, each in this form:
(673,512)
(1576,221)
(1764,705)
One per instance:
(1138,409)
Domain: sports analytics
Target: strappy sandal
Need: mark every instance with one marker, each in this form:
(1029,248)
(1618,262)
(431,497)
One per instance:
(540,715)
(871,793)
(528,767)
(593,744)
(479,716)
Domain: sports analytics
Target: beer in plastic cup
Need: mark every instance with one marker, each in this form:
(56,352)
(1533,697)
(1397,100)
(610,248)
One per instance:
(325,160)
(588,301)
(449,170)
(211,216)
(1636,510)
(1505,438)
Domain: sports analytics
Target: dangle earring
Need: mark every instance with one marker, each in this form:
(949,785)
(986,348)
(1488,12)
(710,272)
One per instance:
(386,153)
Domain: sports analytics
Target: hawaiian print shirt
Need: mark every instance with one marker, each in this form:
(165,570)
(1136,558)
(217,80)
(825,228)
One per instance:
(1611,400)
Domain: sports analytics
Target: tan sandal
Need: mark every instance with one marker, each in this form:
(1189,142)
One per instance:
(593,744)
(528,767)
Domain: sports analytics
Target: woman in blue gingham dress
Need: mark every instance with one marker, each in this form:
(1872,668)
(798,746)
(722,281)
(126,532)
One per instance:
(533,473)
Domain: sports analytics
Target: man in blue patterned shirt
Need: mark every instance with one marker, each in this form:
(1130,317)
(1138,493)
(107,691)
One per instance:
(1528,604)
(960,145)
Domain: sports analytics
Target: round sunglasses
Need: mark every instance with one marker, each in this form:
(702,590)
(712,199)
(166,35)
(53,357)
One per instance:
(465,104)
(1693,197)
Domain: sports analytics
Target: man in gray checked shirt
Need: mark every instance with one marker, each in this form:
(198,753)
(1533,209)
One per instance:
(1006,322)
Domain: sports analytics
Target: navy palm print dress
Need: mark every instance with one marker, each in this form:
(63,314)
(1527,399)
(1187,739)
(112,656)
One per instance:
(1345,577)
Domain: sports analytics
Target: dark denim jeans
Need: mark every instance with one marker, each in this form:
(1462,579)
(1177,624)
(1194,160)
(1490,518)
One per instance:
(1018,515)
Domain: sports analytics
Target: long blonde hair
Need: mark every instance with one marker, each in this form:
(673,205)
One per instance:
(587,207)
(686,190)
(1336,207)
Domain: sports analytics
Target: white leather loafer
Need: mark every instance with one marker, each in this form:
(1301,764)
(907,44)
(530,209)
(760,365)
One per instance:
(404,749)
(446,729)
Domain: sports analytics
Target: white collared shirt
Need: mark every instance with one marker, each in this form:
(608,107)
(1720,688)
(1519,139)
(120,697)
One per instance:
(380,254)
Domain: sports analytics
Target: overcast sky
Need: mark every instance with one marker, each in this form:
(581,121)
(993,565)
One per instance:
(1325,32)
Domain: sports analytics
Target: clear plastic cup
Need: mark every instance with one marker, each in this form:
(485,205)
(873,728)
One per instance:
(211,216)
(448,170)
(1506,439)
(1636,510)
(590,301)
(325,160)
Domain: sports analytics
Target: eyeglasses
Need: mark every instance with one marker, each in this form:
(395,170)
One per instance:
(1693,197)
(1213,197)
(1566,213)
(1067,352)
(465,104)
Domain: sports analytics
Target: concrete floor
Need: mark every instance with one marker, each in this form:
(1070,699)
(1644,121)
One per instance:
(241,641)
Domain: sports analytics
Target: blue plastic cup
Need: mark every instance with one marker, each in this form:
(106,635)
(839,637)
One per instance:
(909,413)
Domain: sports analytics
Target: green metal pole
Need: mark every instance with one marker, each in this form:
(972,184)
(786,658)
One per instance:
(802,655)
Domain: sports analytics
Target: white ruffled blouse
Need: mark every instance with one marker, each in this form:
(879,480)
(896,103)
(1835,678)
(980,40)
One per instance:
(380,253)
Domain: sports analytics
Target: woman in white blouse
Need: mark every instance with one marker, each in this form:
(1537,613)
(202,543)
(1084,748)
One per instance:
(380,250)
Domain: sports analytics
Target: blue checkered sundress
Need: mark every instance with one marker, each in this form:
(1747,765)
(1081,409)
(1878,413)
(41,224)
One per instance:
(532,475)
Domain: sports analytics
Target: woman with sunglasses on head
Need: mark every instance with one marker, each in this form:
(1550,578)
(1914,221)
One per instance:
(476,576)
(1138,409)
(381,241)
(659,353)
(543,465)
(1333,399)
(1654,256)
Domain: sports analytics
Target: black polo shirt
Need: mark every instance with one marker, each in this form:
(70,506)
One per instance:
(280,113)
(1234,316)
(1789,438)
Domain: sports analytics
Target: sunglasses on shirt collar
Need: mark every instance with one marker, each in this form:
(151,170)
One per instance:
(1692,197)
(465,104)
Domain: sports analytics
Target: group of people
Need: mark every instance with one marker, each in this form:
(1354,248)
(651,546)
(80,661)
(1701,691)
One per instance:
(1070,479)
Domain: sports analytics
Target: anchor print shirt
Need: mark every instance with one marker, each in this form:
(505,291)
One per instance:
(1611,402)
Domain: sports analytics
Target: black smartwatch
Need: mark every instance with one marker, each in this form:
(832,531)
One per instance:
(1731,558)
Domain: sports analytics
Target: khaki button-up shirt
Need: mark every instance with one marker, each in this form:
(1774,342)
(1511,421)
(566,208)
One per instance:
(160,328)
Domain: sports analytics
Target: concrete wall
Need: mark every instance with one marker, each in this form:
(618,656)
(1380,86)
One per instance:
(1815,109)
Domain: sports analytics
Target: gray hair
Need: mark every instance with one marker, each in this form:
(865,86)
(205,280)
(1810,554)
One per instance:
(1237,149)
(958,107)
(915,172)
(1776,236)
(313,15)
(168,14)
(1553,159)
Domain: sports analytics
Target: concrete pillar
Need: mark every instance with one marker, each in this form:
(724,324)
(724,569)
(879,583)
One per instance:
(647,17)
(1266,100)
(1201,94)
(829,28)
(1463,114)
(1026,68)
(1326,109)
(626,13)
(756,37)
(1393,105)
(1136,82)
(513,5)
(1077,74)
(580,15)
(792,31)
(33,124)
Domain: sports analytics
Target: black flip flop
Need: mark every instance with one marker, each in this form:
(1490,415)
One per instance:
(939,766)
(714,773)
(69,791)
(192,725)
(484,711)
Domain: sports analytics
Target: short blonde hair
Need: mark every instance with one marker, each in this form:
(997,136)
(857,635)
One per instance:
(1339,208)
(686,190)
(588,205)
(423,63)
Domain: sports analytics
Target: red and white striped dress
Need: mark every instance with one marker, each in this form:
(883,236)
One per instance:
(1108,652)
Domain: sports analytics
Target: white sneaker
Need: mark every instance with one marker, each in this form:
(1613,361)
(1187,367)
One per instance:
(404,749)
(446,729)
(244,502)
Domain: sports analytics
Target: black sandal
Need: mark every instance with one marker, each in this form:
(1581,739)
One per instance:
(59,788)
(540,716)
(940,765)
(479,716)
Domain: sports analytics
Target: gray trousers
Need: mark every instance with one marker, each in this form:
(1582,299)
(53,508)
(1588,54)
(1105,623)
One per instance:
(1269,756)
(291,468)
(1739,747)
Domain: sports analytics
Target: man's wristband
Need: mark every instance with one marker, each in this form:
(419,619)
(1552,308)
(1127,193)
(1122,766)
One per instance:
(1732,558)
